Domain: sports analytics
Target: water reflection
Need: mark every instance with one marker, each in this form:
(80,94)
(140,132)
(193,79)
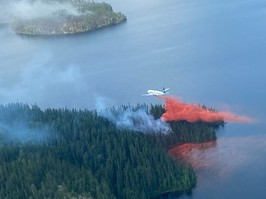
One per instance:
(195,154)
(223,156)
(224,163)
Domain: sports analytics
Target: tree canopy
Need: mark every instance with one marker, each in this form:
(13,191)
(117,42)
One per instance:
(84,155)
(67,17)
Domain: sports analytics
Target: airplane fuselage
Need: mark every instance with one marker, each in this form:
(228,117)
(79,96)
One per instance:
(155,92)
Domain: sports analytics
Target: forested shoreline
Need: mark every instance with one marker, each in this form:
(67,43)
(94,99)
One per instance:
(73,16)
(78,153)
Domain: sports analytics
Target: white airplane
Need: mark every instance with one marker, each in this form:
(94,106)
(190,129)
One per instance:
(156,92)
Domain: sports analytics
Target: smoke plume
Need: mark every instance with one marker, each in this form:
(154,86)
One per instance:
(135,119)
(178,110)
(23,133)
(29,9)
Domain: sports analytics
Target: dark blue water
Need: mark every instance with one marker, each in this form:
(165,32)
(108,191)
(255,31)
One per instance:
(210,52)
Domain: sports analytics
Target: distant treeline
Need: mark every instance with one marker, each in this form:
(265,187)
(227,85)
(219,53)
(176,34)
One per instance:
(87,16)
(87,156)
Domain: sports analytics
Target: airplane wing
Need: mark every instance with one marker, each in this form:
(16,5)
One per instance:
(166,89)
(147,94)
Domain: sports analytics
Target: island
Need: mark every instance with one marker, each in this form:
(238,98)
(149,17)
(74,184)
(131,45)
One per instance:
(76,17)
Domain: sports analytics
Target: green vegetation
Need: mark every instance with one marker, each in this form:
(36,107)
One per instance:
(184,132)
(84,16)
(87,156)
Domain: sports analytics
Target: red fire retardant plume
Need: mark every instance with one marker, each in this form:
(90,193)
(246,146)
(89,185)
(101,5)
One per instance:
(178,110)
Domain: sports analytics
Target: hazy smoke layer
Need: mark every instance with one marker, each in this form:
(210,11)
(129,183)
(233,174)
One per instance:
(27,9)
(22,133)
(136,120)
(178,110)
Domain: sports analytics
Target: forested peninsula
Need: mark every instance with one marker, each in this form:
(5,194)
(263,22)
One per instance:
(72,16)
(68,153)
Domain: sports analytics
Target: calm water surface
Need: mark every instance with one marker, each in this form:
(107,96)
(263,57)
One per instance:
(210,52)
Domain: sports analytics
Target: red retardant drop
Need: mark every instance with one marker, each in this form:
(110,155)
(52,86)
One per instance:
(178,110)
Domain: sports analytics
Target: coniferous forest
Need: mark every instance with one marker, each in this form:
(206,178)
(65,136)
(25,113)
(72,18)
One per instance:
(72,16)
(68,153)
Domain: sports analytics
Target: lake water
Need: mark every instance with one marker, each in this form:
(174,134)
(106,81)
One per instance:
(211,52)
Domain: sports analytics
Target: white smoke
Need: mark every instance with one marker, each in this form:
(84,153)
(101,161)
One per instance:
(136,119)
(46,83)
(28,9)
(22,133)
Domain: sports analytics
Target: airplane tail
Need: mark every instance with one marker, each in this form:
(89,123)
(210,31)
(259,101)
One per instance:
(165,90)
